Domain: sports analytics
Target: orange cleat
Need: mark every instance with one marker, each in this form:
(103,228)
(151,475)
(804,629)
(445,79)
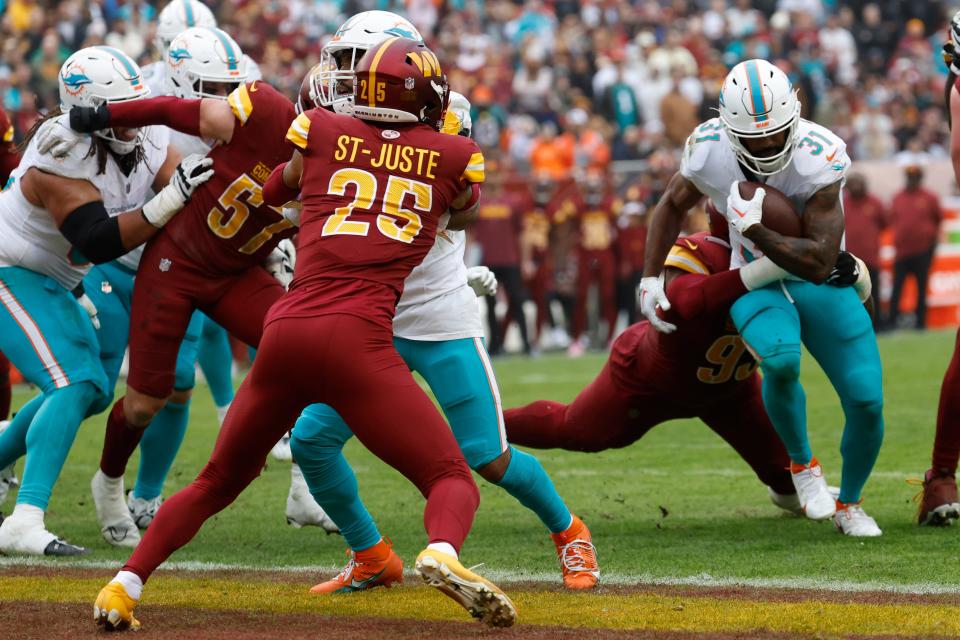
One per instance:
(577,556)
(377,566)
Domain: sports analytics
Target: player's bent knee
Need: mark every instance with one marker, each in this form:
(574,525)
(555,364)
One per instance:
(140,408)
(864,391)
(781,368)
(181,396)
(494,470)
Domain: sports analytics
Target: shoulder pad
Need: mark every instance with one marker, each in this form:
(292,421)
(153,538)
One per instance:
(699,145)
(821,155)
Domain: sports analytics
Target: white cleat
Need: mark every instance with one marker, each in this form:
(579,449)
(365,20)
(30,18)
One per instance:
(8,479)
(852,520)
(26,535)
(812,490)
(116,523)
(281,450)
(143,511)
(303,510)
(790,502)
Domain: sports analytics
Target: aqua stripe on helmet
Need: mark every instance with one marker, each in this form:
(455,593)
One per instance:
(134,74)
(756,91)
(188,13)
(232,60)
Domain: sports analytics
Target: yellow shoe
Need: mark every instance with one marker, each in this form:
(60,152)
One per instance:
(114,609)
(483,599)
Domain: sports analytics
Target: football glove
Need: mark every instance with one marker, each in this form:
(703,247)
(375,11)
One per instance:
(482,281)
(192,171)
(57,138)
(846,272)
(89,119)
(281,262)
(84,301)
(651,296)
(743,214)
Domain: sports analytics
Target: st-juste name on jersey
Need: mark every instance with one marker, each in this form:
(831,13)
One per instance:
(709,162)
(29,236)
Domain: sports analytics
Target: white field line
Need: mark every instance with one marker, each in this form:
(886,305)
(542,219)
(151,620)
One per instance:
(497,575)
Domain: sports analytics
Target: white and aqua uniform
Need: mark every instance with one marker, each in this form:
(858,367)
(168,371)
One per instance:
(43,330)
(438,332)
(773,321)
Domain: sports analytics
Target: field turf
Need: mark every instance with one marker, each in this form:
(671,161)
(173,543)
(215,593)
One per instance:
(680,523)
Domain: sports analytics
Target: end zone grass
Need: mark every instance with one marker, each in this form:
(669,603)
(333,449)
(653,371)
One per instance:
(678,507)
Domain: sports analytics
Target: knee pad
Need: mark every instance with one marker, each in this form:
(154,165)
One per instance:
(781,368)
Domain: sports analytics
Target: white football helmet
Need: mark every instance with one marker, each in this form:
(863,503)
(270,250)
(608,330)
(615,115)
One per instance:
(177,16)
(339,57)
(96,75)
(202,55)
(758,100)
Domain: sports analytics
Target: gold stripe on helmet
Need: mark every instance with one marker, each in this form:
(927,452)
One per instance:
(372,81)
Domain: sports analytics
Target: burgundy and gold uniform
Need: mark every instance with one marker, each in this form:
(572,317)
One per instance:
(209,256)
(596,262)
(702,370)
(535,227)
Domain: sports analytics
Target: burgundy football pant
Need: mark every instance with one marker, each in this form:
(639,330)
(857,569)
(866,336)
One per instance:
(350,364)
(604,416)
(599,267)
(946,444)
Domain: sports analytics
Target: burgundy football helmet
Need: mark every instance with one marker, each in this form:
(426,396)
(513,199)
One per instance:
(400,81)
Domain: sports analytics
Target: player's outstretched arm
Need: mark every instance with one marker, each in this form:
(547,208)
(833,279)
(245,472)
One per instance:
(665,222)
(813,256)
(207,118)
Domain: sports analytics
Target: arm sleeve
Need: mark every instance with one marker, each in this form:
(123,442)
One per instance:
(94,233)
(692,294)
(275,192)
(176,113)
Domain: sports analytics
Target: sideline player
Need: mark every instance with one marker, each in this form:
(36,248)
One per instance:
(940,503)
(56,218)
(760,136)
(358,242)
(438,333)
(702,370)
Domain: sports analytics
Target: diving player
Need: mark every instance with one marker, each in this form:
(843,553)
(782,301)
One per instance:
(760,136)
(438,333)
(56,218)
(365,226)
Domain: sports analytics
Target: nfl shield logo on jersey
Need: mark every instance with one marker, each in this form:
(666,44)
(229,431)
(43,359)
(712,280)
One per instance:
(165,264)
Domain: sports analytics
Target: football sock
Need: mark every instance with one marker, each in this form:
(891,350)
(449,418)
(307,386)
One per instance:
(334,486)
(444,547)
(49,439)
(119,442)
(946,445)
(216,361)
(526,481)
(786,403)
(159,446)
(13,441)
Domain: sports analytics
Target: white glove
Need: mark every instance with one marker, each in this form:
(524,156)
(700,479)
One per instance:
(482,281)
(192,171)
(864,285)
(292,214)
(651,296)
(281,262)
(761,272)
(88,306)
(743,214)
(57,138)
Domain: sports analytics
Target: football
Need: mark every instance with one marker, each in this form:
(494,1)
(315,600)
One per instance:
(779,213)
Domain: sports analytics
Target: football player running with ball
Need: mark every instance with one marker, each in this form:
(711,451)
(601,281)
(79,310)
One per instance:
(373,189)
(760,137)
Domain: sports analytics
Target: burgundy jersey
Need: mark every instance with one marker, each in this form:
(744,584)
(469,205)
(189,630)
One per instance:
(372,197)
(226,228)
(705,355)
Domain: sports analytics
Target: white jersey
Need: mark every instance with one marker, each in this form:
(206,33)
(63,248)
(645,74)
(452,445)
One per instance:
(155,77)
(819,160)
(437,303)
(30,238)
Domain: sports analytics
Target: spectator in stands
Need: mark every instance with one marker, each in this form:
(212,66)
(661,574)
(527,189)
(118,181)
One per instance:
(915,217)
(865,218)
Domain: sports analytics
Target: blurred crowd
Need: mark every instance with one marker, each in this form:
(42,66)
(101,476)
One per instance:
(569,96)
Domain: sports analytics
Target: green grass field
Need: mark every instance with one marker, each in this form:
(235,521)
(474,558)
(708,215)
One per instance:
(720,523)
